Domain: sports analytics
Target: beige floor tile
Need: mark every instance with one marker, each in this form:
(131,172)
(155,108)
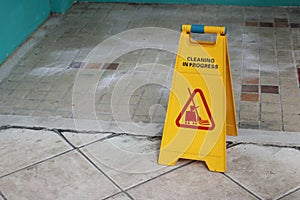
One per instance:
(267,171)
(121,196)
(80,139)
(68,176)
(22,147)
(292,196)
(190,182)
(129,160)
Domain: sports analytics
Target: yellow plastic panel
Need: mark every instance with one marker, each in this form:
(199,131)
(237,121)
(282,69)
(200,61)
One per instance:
(201,106)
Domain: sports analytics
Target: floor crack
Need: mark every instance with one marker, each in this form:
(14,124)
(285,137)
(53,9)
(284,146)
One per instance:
(229,144)
(232,144)
(61,131)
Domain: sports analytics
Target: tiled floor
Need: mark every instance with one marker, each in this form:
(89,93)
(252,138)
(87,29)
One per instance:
(264,46)
(62,164)
(76,101)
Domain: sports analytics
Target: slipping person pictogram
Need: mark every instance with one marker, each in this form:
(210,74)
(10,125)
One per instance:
(192,118)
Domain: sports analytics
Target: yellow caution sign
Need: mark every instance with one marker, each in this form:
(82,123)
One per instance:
(201,110)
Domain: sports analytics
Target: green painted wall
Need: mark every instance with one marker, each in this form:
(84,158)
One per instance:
(60,6)
(220,2)
(18,19)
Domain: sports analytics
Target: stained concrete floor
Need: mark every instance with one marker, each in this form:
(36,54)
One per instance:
(83,102)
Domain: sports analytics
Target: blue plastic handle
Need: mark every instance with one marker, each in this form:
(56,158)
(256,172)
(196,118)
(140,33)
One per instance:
(197,28)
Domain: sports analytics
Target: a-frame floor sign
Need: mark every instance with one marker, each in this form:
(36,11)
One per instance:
(201,110)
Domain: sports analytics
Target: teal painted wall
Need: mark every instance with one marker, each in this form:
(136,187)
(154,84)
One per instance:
(220,2)
(60,6)
(18,19)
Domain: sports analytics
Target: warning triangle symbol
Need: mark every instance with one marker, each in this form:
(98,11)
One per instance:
(195,116)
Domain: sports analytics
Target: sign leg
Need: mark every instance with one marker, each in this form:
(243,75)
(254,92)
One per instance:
(168,157)
(217,164)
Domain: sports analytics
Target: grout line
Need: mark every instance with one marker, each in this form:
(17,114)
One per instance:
(160,175)
(242,186)
(259,82)
(101,139)
(241,75)
(92,163)
(295,65)
(2,195)
(100,170)
(89,143)
(73,148)
(279,82)
(113,195)
(67,151)
(36,163)
(289,193)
